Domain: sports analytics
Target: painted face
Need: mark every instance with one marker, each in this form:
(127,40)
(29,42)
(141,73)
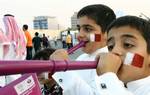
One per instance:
(126,39)
(86,27)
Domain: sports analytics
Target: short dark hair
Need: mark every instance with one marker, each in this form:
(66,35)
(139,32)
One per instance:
(142,25)
(25,26)
(43,54)
(36,33)
(101,14)
(68,32)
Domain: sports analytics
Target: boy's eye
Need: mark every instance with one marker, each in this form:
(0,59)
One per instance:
(87,29)
(110,47)
(78,27)
(128,45)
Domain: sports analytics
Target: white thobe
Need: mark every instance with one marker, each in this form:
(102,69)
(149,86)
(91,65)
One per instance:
(109,84)
(4,80)
(86,82)
(81,82)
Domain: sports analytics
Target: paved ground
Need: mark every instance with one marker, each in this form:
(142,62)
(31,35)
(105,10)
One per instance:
(58,45)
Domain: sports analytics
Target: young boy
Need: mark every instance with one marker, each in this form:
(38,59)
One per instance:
(126,34)
(50,87)
(29,42)
(93,19)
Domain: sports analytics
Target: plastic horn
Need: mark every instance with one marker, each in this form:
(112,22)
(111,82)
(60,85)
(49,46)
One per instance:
(38,66)
(92,38)
(79,45)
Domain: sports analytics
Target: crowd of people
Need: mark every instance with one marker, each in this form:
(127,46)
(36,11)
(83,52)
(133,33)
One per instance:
(38,43)
(119,36)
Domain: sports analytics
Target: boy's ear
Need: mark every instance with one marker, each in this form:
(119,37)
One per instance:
(149,60)
(104,36)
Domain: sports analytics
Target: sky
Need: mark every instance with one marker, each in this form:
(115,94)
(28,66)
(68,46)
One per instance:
(25,10)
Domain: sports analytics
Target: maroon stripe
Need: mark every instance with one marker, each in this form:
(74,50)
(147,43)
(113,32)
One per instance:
(138,60)
(97,37)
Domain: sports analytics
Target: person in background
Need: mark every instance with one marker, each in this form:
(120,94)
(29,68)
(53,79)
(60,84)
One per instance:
(69,40)
(115,75)
(37,42)
(93,19)
(45,41)
(55,41)
(29,42)
(64,41)
(50,87)
(49,41)
(12,45)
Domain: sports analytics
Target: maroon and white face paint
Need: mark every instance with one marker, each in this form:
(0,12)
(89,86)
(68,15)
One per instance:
(134,59)
(92,38)
(95,37)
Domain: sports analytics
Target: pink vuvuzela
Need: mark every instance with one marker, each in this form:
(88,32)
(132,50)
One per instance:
(92,38)
(38,66)
(79,45)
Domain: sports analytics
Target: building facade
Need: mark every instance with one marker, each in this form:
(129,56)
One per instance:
(46,22)
(74,21)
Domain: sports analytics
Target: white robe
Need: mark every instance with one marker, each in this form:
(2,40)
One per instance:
(11,55)
(80,82)
(86,82)
(113,86)
(89,75)
(12,46)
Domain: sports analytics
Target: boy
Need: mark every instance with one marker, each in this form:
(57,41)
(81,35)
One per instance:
(93,19)
(50,87)
(29,42)
(126,34)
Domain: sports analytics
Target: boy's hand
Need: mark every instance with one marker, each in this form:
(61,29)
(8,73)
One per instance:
(108,62)
(60,54)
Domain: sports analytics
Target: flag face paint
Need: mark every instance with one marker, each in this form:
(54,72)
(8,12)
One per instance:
(95,37)
(138,61)
(134,59)
(92,37)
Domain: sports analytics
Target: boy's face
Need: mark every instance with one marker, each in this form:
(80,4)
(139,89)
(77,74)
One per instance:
(126,39)
(86,27)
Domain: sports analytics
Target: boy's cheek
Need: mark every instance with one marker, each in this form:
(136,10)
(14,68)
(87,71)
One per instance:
(134,59)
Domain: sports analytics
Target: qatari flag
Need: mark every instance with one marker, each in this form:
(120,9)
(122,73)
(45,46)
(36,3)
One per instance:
(95,37)
(134,59)
(92,38)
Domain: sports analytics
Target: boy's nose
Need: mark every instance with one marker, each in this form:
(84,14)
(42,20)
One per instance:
(117,51)
(81,36)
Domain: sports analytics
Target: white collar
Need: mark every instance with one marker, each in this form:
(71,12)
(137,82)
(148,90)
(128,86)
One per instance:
(104,49)
(138,83)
